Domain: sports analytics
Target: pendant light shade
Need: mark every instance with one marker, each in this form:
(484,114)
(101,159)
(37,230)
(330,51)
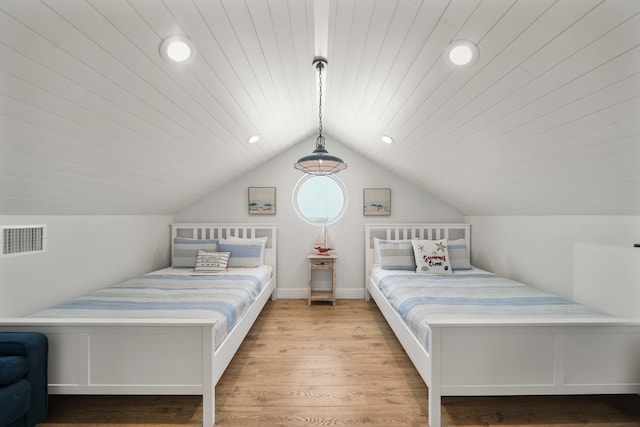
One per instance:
(320,162)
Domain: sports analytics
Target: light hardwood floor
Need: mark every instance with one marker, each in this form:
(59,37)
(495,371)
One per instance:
(330,365)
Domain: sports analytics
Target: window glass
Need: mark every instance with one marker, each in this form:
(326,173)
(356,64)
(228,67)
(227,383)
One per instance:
(317,198)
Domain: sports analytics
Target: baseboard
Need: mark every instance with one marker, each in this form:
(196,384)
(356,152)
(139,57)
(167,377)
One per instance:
(299,293)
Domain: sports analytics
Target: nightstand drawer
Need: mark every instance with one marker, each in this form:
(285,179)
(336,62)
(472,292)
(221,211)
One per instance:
(321,263)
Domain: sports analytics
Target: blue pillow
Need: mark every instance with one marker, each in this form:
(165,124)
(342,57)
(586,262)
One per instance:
(243,254)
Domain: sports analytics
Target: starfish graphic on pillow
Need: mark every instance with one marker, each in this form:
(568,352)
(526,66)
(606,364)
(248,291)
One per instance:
(440,246)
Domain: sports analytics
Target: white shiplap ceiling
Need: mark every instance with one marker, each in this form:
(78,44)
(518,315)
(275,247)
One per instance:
(93,121)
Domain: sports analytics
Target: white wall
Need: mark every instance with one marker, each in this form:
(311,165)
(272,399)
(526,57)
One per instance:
(84,253)
(295,237)
(538,250)
(89,252)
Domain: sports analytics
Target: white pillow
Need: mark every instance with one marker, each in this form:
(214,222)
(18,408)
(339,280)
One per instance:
(432,256)
(376,255)
(261,240)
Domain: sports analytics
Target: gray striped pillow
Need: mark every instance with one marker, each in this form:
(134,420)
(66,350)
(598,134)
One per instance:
(244,253)
(396,255)
(459,255)
(212,262)
(186,250)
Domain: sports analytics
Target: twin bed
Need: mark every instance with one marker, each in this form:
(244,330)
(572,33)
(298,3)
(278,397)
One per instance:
(172,331)
(469,332)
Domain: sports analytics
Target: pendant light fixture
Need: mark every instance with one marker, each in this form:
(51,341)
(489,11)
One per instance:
(320,162)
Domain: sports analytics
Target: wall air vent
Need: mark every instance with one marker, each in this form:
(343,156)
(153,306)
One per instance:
(23,239)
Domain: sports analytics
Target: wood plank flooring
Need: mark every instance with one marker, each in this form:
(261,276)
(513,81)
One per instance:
(330,365)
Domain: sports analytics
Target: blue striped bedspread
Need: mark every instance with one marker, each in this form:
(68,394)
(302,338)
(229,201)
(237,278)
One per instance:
(474,295)
(172,294)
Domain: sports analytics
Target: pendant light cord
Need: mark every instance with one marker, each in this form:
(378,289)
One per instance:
(320,66)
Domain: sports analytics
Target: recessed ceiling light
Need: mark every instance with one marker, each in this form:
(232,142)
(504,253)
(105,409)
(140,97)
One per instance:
(461,53)
(387,139)
(253,139)
(177,49)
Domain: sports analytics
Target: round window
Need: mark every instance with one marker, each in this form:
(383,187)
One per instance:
(320,198)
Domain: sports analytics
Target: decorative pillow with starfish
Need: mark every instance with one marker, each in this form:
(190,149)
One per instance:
(432,256)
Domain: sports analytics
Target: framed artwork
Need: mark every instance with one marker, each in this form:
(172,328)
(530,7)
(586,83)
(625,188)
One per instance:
(377,202)
(262,200)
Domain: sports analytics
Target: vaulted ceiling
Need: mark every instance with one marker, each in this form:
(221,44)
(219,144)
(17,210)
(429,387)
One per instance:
(93,120)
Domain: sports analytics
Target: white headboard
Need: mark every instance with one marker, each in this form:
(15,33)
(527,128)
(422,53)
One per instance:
(411,231)
(222,231)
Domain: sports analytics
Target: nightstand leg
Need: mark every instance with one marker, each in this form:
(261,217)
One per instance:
(333,282)
(310,282)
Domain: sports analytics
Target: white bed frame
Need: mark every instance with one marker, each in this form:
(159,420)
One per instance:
(537,357)
(149,356)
